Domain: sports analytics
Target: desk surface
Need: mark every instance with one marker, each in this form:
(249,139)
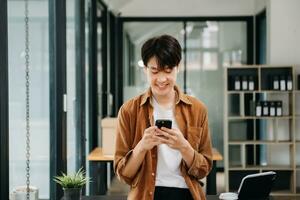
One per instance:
(97,155)
(209,197)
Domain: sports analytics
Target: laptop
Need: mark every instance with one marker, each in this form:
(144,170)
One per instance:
(253,187)
(257,186)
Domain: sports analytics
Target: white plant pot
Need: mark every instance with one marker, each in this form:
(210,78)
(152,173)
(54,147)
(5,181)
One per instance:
(19,193)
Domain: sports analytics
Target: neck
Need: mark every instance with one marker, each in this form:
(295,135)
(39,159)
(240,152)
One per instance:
(166,101)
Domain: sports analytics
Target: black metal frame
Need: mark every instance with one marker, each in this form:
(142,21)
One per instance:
(58,117)
(250,40)
(80,84)
(112,41)
(92,77)
(116,65)
(258,20)
(103,21)
(4,126)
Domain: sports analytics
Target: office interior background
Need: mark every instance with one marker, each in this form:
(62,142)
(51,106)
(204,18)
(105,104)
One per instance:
(84,58)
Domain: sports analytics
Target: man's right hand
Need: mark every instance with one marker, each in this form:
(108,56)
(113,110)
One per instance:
(149,139)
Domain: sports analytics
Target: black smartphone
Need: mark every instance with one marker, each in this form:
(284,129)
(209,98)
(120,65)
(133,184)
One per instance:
(163,123)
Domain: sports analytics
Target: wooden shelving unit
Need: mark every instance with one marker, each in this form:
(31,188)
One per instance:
(297,134)
(255,144)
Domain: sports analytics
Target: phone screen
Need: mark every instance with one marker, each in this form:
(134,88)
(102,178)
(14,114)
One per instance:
(163,123)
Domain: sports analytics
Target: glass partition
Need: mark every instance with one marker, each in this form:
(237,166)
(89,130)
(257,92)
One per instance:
(211,46)
(71,78)
(39,95)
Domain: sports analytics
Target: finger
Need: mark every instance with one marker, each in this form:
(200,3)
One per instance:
(165,140)
(157,141)
(170,131)
(151,128)
(162,133)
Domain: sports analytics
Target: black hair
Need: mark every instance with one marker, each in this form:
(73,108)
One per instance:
(165,48)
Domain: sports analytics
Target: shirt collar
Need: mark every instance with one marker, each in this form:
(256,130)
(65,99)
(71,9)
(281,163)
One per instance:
(180,96)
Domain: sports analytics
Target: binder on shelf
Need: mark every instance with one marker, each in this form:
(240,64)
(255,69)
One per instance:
(298,81)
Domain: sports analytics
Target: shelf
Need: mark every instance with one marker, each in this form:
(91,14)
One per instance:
(280,133)
(240,142)
(259,91)
(277,91)
(282,193)
(242,91)
(242,67)
(257,167)
(254,117)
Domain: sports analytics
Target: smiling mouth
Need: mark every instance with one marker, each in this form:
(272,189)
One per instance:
(162,86)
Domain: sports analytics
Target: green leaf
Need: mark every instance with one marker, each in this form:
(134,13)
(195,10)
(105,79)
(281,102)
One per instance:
(76,180)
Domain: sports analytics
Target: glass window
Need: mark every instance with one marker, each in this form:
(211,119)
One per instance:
(71,87)
(39,95)
(71,95)
(210,47)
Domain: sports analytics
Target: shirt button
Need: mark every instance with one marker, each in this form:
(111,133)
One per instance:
(150,193)
(152,174)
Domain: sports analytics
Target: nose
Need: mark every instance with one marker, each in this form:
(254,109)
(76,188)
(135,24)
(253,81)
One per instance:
(161,77)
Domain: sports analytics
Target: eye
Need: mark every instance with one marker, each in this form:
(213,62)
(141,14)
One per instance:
(168,70)
(154,71)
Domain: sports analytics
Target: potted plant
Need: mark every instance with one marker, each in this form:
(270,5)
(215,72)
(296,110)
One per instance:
(72,184)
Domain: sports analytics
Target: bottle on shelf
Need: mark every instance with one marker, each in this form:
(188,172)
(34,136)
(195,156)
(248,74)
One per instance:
(265,108)
(237,83)
(272,108)
(251,83)
(289,83)
(275,83)
(282,83)
(258,109)
(244,83)
(278,108)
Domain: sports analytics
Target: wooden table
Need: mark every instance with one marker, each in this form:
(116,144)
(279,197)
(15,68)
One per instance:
(211,179)
(96,157)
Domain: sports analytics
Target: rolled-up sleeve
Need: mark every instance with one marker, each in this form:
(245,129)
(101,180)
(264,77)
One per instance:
(202,162)
(123,145)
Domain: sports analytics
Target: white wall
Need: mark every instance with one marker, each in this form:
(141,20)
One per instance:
(283,46)
(283,32)
(187,8)
(259,6)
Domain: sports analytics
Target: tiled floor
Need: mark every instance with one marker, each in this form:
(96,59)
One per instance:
(121,188)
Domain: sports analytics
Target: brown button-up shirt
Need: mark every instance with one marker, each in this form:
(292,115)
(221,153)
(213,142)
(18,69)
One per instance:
(135,116)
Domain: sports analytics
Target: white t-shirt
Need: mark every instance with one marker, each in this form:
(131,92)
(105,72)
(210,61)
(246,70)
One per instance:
(168,160)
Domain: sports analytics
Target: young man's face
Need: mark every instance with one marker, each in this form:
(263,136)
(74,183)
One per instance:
(161,81)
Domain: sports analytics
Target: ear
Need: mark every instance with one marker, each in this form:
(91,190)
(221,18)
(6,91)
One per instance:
(145,70)
(178,66)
